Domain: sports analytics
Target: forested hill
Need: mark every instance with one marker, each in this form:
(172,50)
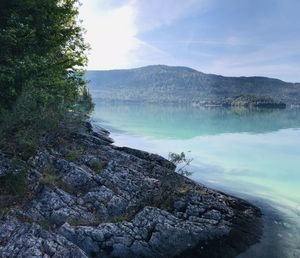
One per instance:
(160,83)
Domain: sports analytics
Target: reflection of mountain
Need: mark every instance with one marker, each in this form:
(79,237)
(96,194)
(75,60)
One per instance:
(160,83)
(183,122)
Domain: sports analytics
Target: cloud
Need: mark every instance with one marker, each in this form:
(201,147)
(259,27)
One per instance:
(284,71)
(272,60)
(147,54)
(211,36)
(156,13)
(112,32)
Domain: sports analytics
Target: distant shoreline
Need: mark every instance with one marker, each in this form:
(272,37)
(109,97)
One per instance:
(161,83)
(204,104)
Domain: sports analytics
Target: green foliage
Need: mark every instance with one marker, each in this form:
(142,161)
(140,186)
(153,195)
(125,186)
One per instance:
(122,217)
(167,203)
(67,187)
(49,179)
(256,101)
(85,103)
(95,165)
(42,54)
(13,184)
(45,224)
(76,222)
(74,155)
(181,162)
(41,46)
(3,210)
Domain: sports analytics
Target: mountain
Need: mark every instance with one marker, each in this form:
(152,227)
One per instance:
(160,83)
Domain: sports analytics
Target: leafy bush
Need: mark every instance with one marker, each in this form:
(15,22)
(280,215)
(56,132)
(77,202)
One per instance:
(45,224)
(3,210)
(49,179)
(41,77)
(95,165)
(85,103)
(181,162)
(13,184)
(74,155)
(42,51)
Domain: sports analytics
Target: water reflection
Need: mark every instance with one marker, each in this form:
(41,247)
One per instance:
(185,122)
(253,154)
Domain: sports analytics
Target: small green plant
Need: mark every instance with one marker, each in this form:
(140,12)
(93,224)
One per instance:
(45,224)
(26,146)
(13,184)
(74,155)
(95,165)
(122,217)
(181,162)
(167,203)
(184,189)
(3,210)
(76,222)
(67,187)
(59,141)
(49,179)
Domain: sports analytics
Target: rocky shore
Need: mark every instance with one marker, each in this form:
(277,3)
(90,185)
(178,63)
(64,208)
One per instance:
(86,197)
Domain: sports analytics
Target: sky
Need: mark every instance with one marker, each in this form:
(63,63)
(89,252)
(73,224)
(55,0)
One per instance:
(227,37)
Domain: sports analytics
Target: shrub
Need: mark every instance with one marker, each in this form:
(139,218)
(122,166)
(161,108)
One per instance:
(49,179)
(74,155)
(41,76)
(45,224)
(95,165)
(3,210)
(85,103)
(181,162)
(13,184)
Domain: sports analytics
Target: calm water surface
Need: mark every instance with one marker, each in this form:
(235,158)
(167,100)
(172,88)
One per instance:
(251,154)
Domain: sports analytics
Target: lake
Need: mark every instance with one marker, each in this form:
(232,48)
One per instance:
(253,154)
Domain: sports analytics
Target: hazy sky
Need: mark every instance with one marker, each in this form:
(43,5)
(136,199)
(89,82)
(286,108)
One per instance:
(228,37)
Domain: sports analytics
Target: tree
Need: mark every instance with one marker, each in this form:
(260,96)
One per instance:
(41,59)
(181,162)
(42,51)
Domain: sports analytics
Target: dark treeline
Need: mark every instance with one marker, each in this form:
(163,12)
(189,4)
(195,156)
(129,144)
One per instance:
(41,59)
(161,84)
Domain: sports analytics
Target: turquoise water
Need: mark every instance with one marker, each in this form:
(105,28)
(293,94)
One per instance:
(254,154)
